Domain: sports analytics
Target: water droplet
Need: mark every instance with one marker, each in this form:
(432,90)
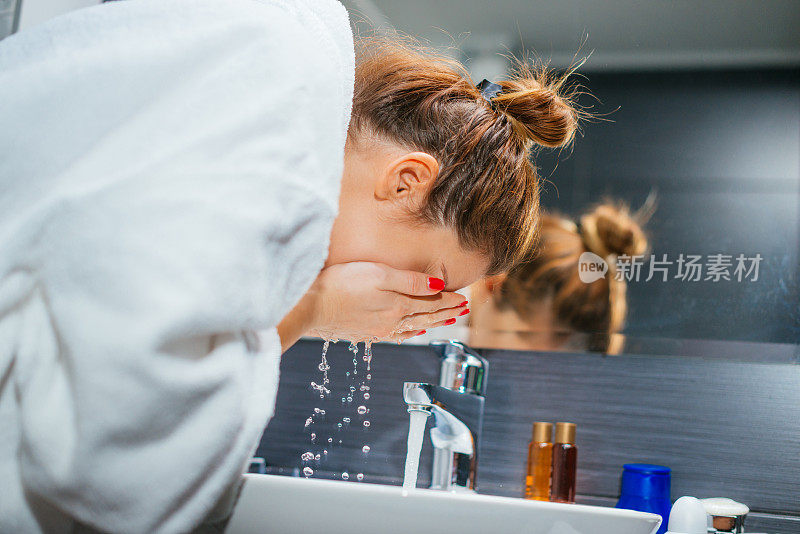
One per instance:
(339,425)
(365,449)
(313,436)
(348,373)
(349,398)
(322,412)
(343,400)
(306,456)
(309,421)
(317,457)
(322,389)
(346,420)
(307,471)
(323,367)
(364,387)
(366,424)
(325,452)
(345,476)
(360,476)
(361,410)
(366,396)
(352,389)
(369,376)
(316,410)
(330,440)
(340,442)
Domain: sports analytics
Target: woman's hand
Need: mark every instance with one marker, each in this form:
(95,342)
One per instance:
(362,301)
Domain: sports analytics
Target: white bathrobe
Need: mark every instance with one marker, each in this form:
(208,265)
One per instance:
(169,176)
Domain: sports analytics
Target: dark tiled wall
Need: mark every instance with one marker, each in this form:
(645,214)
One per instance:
(725,428)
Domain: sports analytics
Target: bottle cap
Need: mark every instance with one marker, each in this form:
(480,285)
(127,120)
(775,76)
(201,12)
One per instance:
(542,432)
(647,481)
(565,433)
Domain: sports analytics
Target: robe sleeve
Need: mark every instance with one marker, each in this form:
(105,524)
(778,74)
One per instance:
(188,179)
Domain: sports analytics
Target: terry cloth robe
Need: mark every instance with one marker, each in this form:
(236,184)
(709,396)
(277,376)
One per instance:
(169,176)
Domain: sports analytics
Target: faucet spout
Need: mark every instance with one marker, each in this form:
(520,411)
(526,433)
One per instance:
(456,434)
(457,406)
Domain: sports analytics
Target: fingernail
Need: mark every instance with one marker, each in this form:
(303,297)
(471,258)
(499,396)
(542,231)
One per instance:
(462,304)
(436,284)
(462,313)
(420,333)
(449,322)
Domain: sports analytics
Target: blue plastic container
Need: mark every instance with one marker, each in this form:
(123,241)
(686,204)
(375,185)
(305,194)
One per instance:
(646,488)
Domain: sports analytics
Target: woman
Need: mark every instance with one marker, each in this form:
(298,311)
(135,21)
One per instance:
(188,187)
(543,304)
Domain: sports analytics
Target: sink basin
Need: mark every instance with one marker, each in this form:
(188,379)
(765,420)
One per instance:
(287,505)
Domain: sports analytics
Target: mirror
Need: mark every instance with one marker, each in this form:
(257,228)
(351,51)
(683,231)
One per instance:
(696,131)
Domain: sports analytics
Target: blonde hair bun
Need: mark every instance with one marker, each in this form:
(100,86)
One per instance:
(611,229)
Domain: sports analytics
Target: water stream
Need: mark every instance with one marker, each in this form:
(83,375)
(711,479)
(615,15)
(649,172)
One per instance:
(416,431)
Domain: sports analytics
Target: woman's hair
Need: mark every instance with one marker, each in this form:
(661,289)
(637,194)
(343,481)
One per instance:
(487,188)
(610,231)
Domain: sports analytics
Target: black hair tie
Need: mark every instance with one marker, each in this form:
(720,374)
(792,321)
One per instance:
(489,90)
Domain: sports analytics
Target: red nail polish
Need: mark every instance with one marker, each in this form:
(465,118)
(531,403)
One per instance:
(463,304)
(449,322)
(420,332)
(436,284)
(463,313)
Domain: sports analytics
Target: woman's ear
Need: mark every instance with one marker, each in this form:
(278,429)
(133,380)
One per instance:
(408,178)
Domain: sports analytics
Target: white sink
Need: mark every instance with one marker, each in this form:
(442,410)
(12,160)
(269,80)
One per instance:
(286,505)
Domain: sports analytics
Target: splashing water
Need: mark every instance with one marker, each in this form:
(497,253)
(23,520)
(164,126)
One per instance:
(307,471)
(308,422)
(416,430)
(306,456)
(368,355)
(323,367)
(354,350)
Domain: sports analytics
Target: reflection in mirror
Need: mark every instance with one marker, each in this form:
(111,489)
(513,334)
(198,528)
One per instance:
(567,287)
(697,130)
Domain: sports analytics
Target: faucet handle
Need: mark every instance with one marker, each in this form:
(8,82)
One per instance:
(462,369)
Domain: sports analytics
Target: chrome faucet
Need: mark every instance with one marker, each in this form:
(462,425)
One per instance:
(457,406)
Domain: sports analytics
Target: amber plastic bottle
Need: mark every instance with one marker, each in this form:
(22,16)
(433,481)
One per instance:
(565,463)
(540,462)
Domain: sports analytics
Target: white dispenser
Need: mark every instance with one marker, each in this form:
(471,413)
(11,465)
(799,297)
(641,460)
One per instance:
(688,516)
